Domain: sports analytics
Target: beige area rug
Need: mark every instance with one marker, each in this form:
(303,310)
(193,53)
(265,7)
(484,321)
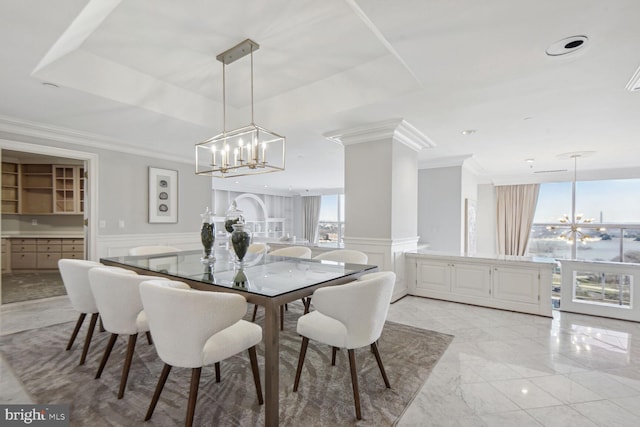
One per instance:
(324,398)
(27,286)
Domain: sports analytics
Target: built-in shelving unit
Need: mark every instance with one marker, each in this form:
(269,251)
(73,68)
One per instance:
(69,189)
(10,187)
(42,189)
(36,194)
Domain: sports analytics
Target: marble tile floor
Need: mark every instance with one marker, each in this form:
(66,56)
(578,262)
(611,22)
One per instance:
(502,368)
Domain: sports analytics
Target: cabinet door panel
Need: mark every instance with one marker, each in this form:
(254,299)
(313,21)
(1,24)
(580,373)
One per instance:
(434,276)
(516,284)
(471,279)
(48,261)
(23,261)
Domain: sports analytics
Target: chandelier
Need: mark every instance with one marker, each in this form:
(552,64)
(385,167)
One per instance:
(248,150)
(575,232)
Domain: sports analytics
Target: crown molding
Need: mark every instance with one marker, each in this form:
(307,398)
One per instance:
(85,139)
(446,162)
(396,129)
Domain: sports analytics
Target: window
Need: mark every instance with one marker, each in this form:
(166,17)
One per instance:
(331,223)
(614,233)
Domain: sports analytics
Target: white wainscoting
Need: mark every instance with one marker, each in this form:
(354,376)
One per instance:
(388,255)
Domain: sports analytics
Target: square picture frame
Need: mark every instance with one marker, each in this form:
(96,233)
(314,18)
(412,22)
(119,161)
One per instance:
(163,196)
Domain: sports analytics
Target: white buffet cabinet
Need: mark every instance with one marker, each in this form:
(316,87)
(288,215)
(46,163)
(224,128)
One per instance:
(520,284)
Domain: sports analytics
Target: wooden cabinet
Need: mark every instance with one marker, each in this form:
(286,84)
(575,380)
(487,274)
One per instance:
(6,256)
(44,254)
(10,187)
(68,189)
(42,189)
(23,254)
(36,189)
(523,286)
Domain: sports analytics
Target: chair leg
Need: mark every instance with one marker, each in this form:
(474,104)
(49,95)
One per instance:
(107,352)
(307,304)
(76,329)
(127,364)
(87,340)
(282,317)
(217,366)
(303,352)
(374,348)
(354,382)
(334,350)
(101,325)
(255,311)
(193,396)
(149,340)
(159,387)
(256,373)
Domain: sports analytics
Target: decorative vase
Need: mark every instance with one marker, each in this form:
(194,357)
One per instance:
(240,280)
(208,235)
(240,240)
(233,216)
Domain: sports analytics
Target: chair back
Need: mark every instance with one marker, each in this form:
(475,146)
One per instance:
(75,277)
(117,295)
(344,255)
(257,248)
(181,319)
(361,306)
(152,250)
(293,252)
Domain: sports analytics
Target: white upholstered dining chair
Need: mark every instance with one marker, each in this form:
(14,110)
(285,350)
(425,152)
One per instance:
(293,252)
(75,277)
(117,296)
(344,255)
(348,316)
(192,329)
(347,256)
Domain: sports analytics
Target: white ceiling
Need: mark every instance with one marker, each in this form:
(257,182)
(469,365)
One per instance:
(143,75)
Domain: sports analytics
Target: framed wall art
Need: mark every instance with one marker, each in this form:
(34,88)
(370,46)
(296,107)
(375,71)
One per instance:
(163,195)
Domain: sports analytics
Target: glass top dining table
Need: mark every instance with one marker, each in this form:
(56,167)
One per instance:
(271,281)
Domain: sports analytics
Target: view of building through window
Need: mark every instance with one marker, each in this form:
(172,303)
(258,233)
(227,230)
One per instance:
(613,234)
(331,224)
(613,205)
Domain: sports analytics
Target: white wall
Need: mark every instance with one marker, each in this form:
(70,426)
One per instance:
(404,203)
(486,220)
(440,207)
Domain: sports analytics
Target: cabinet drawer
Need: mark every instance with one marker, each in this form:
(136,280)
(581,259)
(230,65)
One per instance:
(23,248)
(49,242)
(23,260)
(48,260)
(77,242)
(73,255)
(23,241)
(49,247)
(70,247)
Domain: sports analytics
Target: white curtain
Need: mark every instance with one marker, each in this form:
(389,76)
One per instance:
(516,206)
(311,211)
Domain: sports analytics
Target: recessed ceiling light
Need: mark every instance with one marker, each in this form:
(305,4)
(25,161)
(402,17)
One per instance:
(568,45)
(468,131)
(529,160)
(48,84)
(237,182)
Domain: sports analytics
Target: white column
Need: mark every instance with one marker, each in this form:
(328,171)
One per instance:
(381,192)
